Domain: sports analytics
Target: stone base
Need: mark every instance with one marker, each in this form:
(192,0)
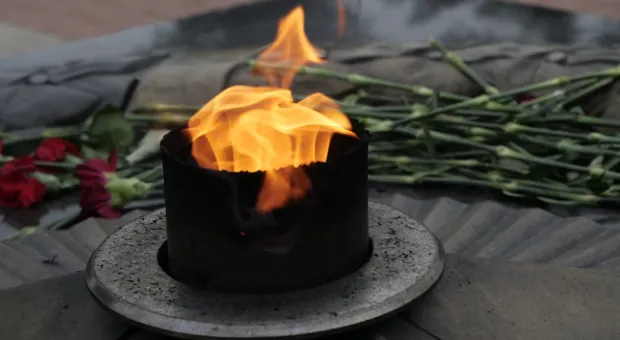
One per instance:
(125,277)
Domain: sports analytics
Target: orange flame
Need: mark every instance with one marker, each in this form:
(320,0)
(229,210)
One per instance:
(291,48)
(262,129)
(342,18)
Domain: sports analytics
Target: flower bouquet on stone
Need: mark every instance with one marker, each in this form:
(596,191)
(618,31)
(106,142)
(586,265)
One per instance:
(97,162)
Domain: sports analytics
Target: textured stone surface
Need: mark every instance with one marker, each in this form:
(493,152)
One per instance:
(55,309)
(485,229)
(492,230)
(54,253)
(392,329)
(477,299)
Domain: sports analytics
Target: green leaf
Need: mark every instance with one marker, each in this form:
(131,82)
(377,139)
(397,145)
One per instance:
(89,152)
(110,129)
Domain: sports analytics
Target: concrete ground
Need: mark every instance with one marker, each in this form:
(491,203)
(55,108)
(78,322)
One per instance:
(31,24)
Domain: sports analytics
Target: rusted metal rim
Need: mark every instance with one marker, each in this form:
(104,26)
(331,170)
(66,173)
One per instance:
(125,277)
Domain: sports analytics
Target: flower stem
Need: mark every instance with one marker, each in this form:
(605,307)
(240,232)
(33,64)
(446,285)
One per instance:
(150,174)
(58,165)
(41,133)
(512,185)
(165,108)
(358,79)
(458,63)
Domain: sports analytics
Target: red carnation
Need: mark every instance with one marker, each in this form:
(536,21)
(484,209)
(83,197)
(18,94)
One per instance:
(18,165)
(525,97)
(19,190)
(54,150)
(102,189)
(95,200)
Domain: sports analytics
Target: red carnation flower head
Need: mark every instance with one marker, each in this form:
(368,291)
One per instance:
(55,150)
(525,97)
(96,170)
(93,174)
(96,201)
(102,189)
(18,165)
(20,190)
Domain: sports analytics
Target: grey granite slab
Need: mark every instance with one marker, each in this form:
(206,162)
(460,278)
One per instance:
(55,309)
(45,254)
(564,237)
(478,299)
(8,279)
(38,259)
(591,252)
(475,299)
(484,229)
(53,250)
(391,329)
(18,265)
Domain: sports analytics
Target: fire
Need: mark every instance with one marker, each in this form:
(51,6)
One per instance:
(342,18)
(291,48)
(253,129)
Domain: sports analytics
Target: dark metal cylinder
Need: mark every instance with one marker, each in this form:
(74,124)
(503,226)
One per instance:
(216,240)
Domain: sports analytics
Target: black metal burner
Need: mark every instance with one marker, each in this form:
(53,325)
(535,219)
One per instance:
(124,275)
(217,241)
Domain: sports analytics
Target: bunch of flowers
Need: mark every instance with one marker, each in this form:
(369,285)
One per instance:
(97,160)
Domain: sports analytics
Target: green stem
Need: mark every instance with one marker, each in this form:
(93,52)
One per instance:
(64,222)
(513,186)
(58,165)
(357,79)
(166,108)
(61,223)
(41,133)
(515,128)
(157,183)
(566,145)
(506,152)
(458,63)
(594,121)
(497,177)
(558,93)
(584,92)
(165,118)
(379,114)
(411,160)
(384,126)
(404,145)
(147,175)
